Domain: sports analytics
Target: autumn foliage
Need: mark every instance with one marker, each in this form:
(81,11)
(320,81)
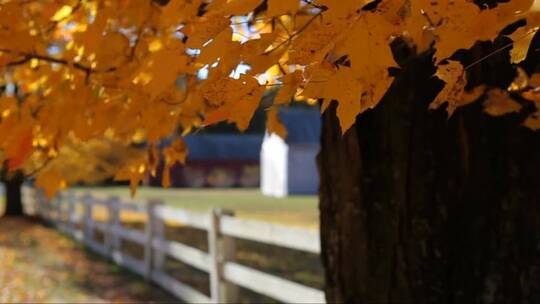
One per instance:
(135,71)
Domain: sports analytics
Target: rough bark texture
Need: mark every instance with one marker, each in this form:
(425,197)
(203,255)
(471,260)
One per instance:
(418,208)
(13,197)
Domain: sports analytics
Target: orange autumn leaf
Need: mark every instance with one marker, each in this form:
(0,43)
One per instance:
(289,85)
(216,116)
(51,181)
(453,74)
(281,7)
(177,151)
(274,125)
(134,173)
(22,148)
(499,102)
(166,179)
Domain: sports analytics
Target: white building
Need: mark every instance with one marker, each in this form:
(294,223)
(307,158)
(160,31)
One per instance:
(289,166)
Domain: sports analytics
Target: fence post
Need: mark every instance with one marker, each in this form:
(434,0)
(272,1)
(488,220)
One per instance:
(58,208)
(110,237)
(41,201)
(150,232)
(88,218)
(24,199)
(114,225)
(220,249)
(158,256)
(36,202)
(71,213)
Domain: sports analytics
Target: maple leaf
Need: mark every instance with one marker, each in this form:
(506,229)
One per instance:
(533,121)
(216,116)
(160,71)
(288,88)
(520,82)
(499,102)
(522,38)
(462,23)
(239,7)
(343,85)
(50,181)
(237,99)
(273,124)
(315,43)
(22,149)
(175,152)
(166,178)
(347,89)
(201,30)
(453,74)
(62,13)
(134,173)
(282,7)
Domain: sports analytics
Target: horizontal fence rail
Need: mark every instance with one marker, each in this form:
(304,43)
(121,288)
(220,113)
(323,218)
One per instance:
(75,216)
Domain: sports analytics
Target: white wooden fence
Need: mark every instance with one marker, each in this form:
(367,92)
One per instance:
(73,215)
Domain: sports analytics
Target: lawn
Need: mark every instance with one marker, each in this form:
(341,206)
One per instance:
(247,203)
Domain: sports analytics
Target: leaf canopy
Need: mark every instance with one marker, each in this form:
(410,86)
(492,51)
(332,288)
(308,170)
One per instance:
(137,70)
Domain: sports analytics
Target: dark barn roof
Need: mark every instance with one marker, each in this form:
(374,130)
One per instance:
(224,146)
(303,125)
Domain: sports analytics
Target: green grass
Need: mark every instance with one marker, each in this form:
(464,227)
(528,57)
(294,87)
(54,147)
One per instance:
(247,203)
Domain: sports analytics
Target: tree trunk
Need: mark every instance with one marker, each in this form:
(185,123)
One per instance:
(419,208)
(13,197)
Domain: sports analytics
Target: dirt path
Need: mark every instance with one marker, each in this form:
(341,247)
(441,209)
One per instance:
(37,264)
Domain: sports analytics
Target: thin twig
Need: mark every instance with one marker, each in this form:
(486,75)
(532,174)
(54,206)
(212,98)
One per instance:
(531,32)
(28,57)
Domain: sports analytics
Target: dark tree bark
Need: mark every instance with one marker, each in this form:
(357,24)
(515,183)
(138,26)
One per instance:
(419,208)
(13,197)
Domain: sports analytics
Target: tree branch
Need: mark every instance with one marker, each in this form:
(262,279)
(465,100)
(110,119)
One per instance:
(28,57)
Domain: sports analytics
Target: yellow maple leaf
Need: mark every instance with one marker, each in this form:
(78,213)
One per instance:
(315,42)
(288,88)
(453,74)
(533,121)
(166,178)
(160,70)
(62,13)
(274,125)
(214,50)
(176,152)
(282,7)
(201,30)
(521,38)
(50,181)
(239,7)
(367,45)
(345,86)
(520,82)
(499,102)
(236,100)
(133,172)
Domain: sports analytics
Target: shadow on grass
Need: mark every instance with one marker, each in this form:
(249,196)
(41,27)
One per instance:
(80,275)
(301,267)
